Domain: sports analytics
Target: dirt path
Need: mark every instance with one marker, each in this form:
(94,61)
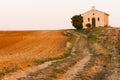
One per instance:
(78,67)
(73,71)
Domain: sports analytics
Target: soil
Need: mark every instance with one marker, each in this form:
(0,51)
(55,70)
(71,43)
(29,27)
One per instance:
(98,59)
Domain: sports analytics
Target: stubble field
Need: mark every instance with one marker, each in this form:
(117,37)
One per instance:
(21,49)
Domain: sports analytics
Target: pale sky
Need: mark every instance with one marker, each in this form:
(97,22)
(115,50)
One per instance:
(51,14)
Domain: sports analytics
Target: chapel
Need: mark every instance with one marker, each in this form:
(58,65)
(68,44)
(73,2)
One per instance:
(95,17)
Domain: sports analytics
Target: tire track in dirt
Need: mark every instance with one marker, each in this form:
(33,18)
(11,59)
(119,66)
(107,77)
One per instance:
(78,67)
(73,71)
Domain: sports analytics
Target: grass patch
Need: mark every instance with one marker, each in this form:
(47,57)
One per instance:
(66,54)
(72,38)
(58,70)
(92,37)
(2,74)
(82,31)
(92,33)
(99,76)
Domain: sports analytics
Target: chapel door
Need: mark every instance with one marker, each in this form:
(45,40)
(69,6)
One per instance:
(93,23)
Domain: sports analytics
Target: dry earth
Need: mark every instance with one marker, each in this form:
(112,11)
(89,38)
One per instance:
(21,49)
(94,56)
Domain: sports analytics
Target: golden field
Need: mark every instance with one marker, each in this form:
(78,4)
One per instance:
(19,49)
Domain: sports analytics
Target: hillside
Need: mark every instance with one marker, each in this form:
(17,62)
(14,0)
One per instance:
(21,49)
(91,56)
(104,45)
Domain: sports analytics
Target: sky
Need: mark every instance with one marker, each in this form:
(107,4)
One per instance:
(51,14)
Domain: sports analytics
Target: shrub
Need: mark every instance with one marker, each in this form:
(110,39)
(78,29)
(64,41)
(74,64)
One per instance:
(88,25)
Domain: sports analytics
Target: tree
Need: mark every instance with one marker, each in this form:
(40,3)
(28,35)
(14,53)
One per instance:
(77,21)
(88,25)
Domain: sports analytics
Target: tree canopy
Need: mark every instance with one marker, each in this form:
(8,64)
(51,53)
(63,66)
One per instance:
(77,21)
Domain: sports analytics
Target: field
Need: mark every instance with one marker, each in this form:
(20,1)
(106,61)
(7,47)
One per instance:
(69,54)
(21,49)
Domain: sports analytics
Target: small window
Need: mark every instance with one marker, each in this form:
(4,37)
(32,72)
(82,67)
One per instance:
(98,19)
(93,13)
(88,19)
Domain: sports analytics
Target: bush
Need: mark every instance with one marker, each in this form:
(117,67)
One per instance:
(88,25)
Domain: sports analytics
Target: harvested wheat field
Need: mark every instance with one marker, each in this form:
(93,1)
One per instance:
(21,49)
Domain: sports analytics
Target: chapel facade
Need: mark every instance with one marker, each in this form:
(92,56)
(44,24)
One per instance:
(95,17)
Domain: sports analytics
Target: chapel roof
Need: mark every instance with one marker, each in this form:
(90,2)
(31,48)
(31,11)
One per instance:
(93,9)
